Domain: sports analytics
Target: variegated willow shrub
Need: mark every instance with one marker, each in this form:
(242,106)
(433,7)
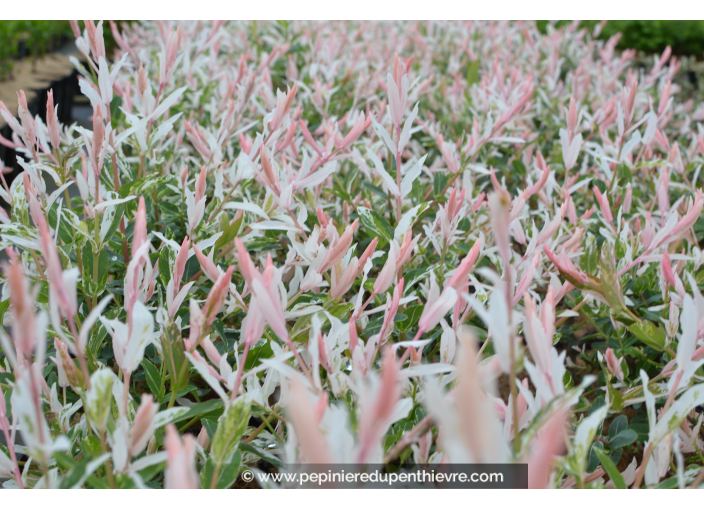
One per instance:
(397,243)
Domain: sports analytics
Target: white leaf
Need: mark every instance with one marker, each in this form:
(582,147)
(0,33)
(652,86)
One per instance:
(247,206)
(317,177)
(52,198)
(422,370)
(166,103)
(168,416)
(586,430)
(406,132)
(114,202)
(412,175)
(383,173)
(383,134)
(408,219)
(677,412)
(202,369)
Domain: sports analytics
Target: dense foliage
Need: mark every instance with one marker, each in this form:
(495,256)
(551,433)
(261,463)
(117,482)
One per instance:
(398,243)
(28,38)
(685,37)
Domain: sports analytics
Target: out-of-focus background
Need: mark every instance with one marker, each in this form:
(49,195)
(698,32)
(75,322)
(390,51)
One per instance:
(35,57)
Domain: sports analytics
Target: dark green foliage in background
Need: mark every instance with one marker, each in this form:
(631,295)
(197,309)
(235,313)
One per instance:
(29,38)
(35,38)
(685,37)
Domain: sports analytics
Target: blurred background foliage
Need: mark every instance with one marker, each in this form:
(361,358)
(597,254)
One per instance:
(685,37)
(29,39)
(33,39)
(21,39)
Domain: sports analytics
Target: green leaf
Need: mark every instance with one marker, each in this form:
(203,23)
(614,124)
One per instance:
(201,409)
(376,223)
(590,258)
(642,429)
(650,334)
(375,189)
(615,396)
(115,111)
(138,186)
(175,357)
(341,310)
(77,470)
(618,424)
(91,285)
(598,402)
(610,285)
(623,438)
(567,380)
(4,305)
(592,456)
(519,167)
(72,151)
(231,427)
(412,314)
(472,72)
(670,483)
(600,184)
(641,284)
(153,377)
(190,388)
(76,473)
(611,470)
(210,426)
(228,235)
(114,223)
(408,220)
(439,183)
(226,475)
(262,454)
(150,472)
(260,351)
(616,455)
(624,174)
(414,276)
(164,266)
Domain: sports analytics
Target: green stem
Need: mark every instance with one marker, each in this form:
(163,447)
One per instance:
(214,479)
(96,257)
(108,464)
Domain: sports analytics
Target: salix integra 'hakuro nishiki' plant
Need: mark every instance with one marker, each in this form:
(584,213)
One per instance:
(369,243)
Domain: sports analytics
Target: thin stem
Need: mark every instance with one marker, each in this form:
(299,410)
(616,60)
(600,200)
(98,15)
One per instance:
(298,225)
(79,352)
(108,464)
(224,201)
(240,367)
(641,472)
(11,448)
(256,432)
(408,439)
(36,397)
(39,266)
(216,475)
(126,392)
(399,203)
